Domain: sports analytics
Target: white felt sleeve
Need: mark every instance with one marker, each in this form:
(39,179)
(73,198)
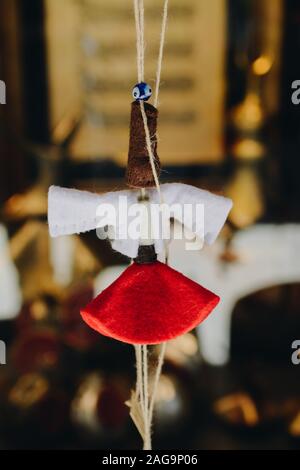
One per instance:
(215,209)
(72,211)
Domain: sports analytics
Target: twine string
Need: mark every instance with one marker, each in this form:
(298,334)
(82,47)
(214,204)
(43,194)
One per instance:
(145,399)
(161,51)
(158,370)
(147,436)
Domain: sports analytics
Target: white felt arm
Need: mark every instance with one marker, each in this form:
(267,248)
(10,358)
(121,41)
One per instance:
(216,208)
(72,211)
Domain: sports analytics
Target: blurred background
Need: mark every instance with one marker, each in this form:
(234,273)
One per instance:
(227,123)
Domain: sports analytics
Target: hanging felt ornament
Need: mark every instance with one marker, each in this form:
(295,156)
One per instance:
(150,303)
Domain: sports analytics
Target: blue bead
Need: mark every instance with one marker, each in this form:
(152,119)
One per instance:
(141,91)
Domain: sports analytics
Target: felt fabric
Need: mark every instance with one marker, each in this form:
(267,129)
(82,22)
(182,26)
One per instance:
(149,304)
(139,172)
(72,211)
(216,208)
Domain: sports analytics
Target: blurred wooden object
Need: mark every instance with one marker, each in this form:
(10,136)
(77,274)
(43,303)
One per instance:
(12,174)
(192,88)
(272,27)
(63,75)
(260,59)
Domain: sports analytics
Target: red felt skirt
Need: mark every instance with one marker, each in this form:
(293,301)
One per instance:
(149,304)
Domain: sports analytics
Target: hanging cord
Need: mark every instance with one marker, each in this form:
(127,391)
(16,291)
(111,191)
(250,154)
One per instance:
(156,379)
(147,437)
(140,47)
(161,51)
(150,151)
(143,400)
